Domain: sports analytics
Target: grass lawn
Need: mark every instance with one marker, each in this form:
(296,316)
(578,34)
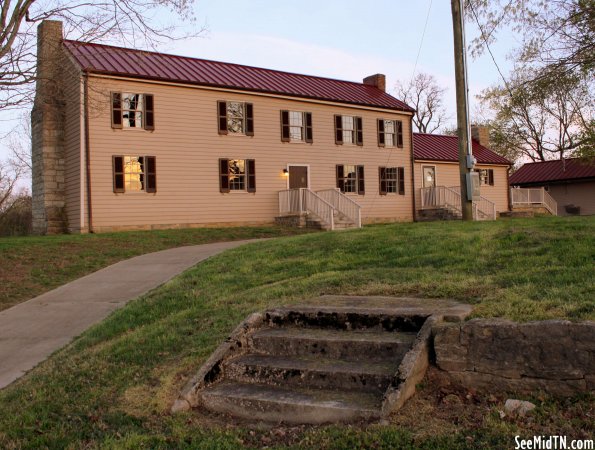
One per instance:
(30,266)
(113,386)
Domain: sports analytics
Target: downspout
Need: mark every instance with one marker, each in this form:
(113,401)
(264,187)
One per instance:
(508,187)
(87,154)
(412,170)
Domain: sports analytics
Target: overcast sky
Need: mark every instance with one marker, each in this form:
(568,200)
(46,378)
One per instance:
(344,39)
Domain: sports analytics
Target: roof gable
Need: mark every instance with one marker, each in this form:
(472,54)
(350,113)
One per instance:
(438,147)
(557,170)
(105,59)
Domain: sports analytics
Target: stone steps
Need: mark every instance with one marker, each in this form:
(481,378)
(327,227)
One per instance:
(332,343)
(253,401)
(339,359)
(313,371)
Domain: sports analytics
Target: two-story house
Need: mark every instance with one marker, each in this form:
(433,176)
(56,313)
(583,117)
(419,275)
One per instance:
(129,139)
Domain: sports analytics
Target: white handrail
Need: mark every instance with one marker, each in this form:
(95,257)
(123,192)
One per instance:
(450,197)
(302,200)
(345,205)
(534,197)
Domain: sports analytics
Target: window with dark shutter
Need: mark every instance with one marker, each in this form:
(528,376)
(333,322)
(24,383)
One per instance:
(380,132)
(118,169)
(251,174)
(338,130)
(249,119)
(359,131)
(309,133)
(341,178)
(401,178)
(361,188)
(222,116)
(285,126)
(491,177)
(382,180)
(151,174)
(224,175)
(116,110)
(399,133)
(149,112)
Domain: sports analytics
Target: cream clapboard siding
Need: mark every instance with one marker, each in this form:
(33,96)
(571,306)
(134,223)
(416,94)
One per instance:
(447,174)
(578,194)
(187,148)
(72,145)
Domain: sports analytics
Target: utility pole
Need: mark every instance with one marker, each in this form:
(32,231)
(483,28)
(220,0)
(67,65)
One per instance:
(466,160)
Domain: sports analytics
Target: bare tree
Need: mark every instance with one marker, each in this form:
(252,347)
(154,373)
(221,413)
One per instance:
(9,176)
(425,95)
(136,23)
(540,122)
(557,37)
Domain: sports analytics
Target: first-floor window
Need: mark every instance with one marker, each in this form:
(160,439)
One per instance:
(486,176)
(134,174)
(237,175)
(392,180)
(350,178)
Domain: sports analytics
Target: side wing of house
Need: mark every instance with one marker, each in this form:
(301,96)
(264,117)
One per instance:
(493,178)
(185,169)
(579,194)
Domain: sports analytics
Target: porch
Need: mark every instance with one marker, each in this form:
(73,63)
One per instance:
(533,199)
(327,209)
(442,202)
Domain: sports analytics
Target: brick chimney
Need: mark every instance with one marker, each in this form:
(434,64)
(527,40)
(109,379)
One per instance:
(481,134)
(47,128)
(378,80)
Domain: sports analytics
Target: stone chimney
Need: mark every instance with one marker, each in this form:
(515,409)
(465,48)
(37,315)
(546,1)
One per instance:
(47,129)
(481,134)
(378,80)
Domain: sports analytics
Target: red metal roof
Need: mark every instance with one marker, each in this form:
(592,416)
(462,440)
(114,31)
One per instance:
(438,147)
(105,59)
(548,171)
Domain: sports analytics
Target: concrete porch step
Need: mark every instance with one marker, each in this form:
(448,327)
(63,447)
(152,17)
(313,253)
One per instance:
(332,343)
(292,406)
(314,371)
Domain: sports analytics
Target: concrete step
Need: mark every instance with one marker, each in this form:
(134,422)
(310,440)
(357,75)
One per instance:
(338,344)
(313,371)
(292,406)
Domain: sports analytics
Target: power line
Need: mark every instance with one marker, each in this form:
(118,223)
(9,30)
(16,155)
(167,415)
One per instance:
(422,41)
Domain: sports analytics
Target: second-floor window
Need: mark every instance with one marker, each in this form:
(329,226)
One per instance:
(296,126)
(235,118)
(349,130)
(131,110)
(390,133)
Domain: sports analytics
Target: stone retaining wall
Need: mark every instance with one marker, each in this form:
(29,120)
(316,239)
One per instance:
(499,355)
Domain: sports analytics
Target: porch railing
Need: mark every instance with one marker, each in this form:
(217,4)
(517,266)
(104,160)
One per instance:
(450,197)
(533,197)
(298,201)
(348,207)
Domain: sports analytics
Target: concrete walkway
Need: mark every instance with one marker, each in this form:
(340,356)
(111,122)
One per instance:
(33,330)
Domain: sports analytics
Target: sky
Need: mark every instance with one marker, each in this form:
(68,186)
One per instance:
(343,39)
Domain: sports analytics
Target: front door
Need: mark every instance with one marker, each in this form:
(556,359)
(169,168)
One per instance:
(298,177)
(429,173)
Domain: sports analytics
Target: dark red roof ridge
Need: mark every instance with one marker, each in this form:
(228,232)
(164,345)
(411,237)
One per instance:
(432,147)
(90,68)
(553,170)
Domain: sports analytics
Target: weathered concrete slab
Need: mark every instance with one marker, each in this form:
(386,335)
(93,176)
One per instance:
(31,331)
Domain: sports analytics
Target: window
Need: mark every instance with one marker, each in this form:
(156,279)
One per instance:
(349,130)
(134,174)
(390,133)
(132,111)
(237,175)
(296,126)
(235,118)
(392,180)
(351,179)
(486,176)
